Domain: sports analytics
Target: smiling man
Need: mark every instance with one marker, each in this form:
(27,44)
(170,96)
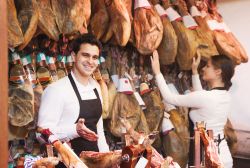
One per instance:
(72,107)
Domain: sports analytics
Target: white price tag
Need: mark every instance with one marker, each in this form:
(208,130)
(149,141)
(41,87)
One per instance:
(139,99)
(123,130)
(150,77)
(189,22)
(214,25)
(102,59)
(43,57)
(225,27)
(15,56)
(69,59)
(25,61)
(141,163)
(172,14)
(194,11)
(141,4)
(166,125)
(51,60)
(160,10)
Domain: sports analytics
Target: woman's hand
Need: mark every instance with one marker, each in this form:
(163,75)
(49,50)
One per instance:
(196,62)
(85,132)
(155,63)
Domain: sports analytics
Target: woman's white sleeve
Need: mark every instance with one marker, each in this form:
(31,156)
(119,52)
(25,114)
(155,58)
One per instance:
(196,99)
(102,144)
(51,108)
(196,82)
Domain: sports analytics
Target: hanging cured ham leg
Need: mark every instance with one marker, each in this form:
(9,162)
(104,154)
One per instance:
(168,48)
(47,19)
(15,34)
(148,27)
(187,43)
(27,12)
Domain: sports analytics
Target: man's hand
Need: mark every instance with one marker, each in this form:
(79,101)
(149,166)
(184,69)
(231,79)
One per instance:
(85,132)
(155,63)
(196,62)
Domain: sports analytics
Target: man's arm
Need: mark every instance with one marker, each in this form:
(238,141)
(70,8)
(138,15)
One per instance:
(50,112)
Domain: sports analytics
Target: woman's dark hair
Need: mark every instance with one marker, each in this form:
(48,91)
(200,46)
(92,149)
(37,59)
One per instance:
(227,68)
(86,38)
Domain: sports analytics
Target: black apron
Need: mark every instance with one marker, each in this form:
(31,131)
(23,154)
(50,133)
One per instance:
(91,111)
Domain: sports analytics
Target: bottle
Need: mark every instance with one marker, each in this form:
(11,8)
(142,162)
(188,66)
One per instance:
(61,58)
(17,74)
(61,68)
(52,68)
(69,63)
(29,70)
(42,71)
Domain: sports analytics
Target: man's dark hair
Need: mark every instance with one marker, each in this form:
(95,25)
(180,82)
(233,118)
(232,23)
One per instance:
(86,38)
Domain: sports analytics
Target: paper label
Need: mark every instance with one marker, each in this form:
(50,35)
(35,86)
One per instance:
(123,130)
(15,56)
(40,57)
(51,60)
(189,22)
(102,59)
(141,163)
(160,10)
(124,86)
(214,25)
(150,77)
(194,11)
(172,14)
(141,4)
(25,61)
(166,125)
(43,57)
(69,59)
(139,99)
(225,27)
(52,138)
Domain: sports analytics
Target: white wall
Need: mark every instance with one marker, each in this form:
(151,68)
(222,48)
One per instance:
(236,14)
